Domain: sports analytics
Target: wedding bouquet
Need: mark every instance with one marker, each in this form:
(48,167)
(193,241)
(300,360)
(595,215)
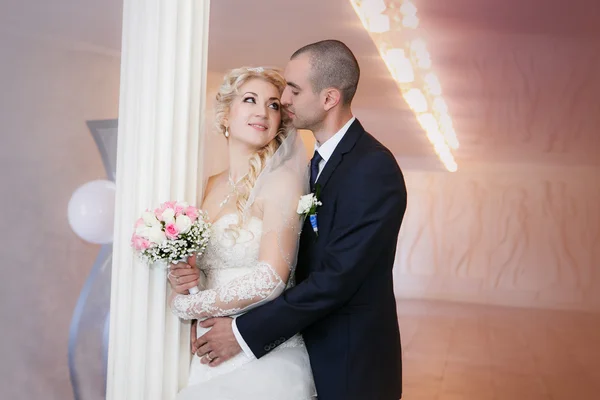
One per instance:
(171,233)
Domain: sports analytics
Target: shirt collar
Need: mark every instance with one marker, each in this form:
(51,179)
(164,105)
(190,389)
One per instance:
(327,148)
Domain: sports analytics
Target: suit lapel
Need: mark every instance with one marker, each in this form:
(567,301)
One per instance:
(345,145)
(354,132)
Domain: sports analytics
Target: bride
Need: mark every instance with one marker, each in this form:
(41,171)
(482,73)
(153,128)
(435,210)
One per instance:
(252,252)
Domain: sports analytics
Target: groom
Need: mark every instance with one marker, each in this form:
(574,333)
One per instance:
(343,303)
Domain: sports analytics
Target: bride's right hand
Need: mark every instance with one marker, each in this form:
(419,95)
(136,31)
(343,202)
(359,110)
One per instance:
(183,276)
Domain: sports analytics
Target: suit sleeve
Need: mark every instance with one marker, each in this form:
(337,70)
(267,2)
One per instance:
(369,211)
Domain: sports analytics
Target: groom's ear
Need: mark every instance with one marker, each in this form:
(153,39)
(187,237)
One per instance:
(332,98)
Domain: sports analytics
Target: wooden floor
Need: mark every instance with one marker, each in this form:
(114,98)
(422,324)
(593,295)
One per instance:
(456,351)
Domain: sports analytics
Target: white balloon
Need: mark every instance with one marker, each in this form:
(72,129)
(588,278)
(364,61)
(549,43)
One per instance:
(92,210)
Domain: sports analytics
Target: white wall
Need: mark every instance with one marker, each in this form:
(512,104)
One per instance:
(48,91)
(513,236)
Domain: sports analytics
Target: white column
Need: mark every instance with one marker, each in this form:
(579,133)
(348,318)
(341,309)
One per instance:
(163,79)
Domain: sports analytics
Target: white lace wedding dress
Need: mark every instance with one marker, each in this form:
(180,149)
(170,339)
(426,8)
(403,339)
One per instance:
(236,282)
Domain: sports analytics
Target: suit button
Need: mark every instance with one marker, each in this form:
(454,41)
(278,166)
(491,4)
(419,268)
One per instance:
(267,348)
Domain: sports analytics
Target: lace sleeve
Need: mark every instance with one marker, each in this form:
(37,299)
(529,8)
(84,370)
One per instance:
(276,260)
(268,279)
(276,193)
(239,295)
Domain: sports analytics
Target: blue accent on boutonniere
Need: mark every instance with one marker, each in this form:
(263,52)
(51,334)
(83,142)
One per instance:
(313,222)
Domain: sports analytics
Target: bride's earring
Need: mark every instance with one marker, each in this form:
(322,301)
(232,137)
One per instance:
(226,132)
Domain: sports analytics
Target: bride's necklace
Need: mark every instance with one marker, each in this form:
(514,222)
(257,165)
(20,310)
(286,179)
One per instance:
(233,190)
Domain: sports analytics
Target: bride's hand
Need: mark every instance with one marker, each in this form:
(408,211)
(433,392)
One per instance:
(194,336)
(183,276)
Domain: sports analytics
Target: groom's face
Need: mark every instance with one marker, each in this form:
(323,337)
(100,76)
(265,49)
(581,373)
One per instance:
(299,99)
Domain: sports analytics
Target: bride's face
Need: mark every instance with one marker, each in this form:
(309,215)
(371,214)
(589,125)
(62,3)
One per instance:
(255,114)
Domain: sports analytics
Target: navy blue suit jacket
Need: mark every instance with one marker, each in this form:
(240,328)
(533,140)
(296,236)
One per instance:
(343,303)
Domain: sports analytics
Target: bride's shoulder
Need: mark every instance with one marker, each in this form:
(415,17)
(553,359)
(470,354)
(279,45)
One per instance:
(211,183)
(214,180)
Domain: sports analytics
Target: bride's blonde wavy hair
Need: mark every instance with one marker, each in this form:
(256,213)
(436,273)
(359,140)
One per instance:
(229,89)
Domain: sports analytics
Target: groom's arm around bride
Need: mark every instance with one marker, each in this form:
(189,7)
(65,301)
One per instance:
(343,303)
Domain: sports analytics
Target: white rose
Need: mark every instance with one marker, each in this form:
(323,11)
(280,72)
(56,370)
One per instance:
(142,231)
(150,219)
(305,204)
(168,215)
(183,223)
(156,235)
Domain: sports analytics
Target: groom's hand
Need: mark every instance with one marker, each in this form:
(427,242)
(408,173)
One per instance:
(219,344)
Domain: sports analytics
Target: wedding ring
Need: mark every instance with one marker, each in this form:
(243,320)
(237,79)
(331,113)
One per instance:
(177,280)
(209,357)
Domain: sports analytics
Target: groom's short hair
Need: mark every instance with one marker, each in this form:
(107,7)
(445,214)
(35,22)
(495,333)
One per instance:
(332,65)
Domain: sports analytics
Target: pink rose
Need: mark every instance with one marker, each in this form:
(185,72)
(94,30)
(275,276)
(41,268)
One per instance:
(139,222)
(158,212)
(139,243)
(192,213)
(171,230)
(179,210)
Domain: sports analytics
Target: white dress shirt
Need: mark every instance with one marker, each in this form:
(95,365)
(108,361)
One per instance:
(325,150)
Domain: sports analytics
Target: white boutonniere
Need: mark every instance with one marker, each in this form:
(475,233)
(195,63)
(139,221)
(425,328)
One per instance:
(307,207)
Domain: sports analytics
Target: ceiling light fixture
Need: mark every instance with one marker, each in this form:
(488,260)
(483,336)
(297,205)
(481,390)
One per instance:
(392,25)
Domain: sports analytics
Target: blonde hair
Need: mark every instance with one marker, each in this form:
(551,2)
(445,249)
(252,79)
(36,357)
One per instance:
(229,89)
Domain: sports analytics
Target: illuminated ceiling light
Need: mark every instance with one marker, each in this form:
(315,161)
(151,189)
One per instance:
(408,8)
(424,61)
(448,160)
(440,106)
(416,100)
(442,151)
(448,130)
(418,45)
(419,49)
(372,7)
(378,23)
(450,137)
(409,63)
(433,84)
(439,145)
(399,65)
(428,123)
(410,21)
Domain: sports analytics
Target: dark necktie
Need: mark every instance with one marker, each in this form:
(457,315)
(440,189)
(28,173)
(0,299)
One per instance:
(314,169)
